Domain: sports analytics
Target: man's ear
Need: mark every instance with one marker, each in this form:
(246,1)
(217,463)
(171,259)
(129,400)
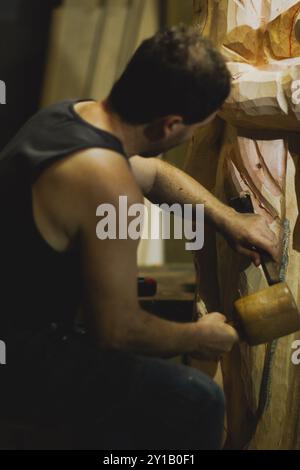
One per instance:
(162,128)
(172,124)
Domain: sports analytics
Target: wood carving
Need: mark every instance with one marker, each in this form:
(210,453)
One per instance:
(254,146)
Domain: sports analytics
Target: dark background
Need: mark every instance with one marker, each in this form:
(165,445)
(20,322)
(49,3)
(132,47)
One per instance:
(24,27)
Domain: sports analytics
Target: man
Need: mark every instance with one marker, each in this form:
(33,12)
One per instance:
(111,384)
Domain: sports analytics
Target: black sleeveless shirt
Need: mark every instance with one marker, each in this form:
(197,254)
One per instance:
(38,285)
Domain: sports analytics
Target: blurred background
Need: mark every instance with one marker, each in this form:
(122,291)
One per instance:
(52,50)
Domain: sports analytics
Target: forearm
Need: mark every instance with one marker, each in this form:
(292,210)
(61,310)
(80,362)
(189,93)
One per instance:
(279,82)
(150,335)
(172,185)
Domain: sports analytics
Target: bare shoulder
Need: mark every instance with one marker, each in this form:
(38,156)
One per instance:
(69,191)
(85,169)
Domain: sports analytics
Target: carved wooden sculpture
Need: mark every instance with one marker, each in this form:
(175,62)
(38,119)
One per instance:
(254,147)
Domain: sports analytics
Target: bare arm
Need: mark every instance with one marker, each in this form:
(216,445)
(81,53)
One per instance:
(110,274)
(68,195)
(164,183)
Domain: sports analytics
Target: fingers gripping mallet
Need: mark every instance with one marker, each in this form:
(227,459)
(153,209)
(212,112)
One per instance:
(272,312)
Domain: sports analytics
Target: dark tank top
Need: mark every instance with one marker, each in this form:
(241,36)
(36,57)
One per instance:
(39,287)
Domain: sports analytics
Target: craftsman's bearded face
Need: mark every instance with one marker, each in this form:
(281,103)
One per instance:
(167,133)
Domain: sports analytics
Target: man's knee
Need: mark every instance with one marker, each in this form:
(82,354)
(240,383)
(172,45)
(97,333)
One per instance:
(202,392)
(188,404)
(185,384)
(203,388)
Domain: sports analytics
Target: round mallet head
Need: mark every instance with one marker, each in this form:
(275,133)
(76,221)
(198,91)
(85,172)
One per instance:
(268,314)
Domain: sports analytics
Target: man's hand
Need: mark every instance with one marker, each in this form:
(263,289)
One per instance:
(249,233)
(216,337)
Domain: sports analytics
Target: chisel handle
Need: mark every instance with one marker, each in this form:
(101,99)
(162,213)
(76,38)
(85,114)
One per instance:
(243,204)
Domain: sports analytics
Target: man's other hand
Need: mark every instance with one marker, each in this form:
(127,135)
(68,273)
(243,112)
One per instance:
(216,337)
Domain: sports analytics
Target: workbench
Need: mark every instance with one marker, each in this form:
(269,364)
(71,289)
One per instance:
(175,291)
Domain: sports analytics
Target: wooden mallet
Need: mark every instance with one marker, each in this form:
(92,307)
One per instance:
(272,312)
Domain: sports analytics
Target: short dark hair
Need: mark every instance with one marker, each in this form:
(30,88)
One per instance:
(174,72)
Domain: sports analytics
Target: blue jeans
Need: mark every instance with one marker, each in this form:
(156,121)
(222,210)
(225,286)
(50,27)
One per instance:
(118,400)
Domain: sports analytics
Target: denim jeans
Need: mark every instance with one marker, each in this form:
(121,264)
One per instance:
(116,400)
